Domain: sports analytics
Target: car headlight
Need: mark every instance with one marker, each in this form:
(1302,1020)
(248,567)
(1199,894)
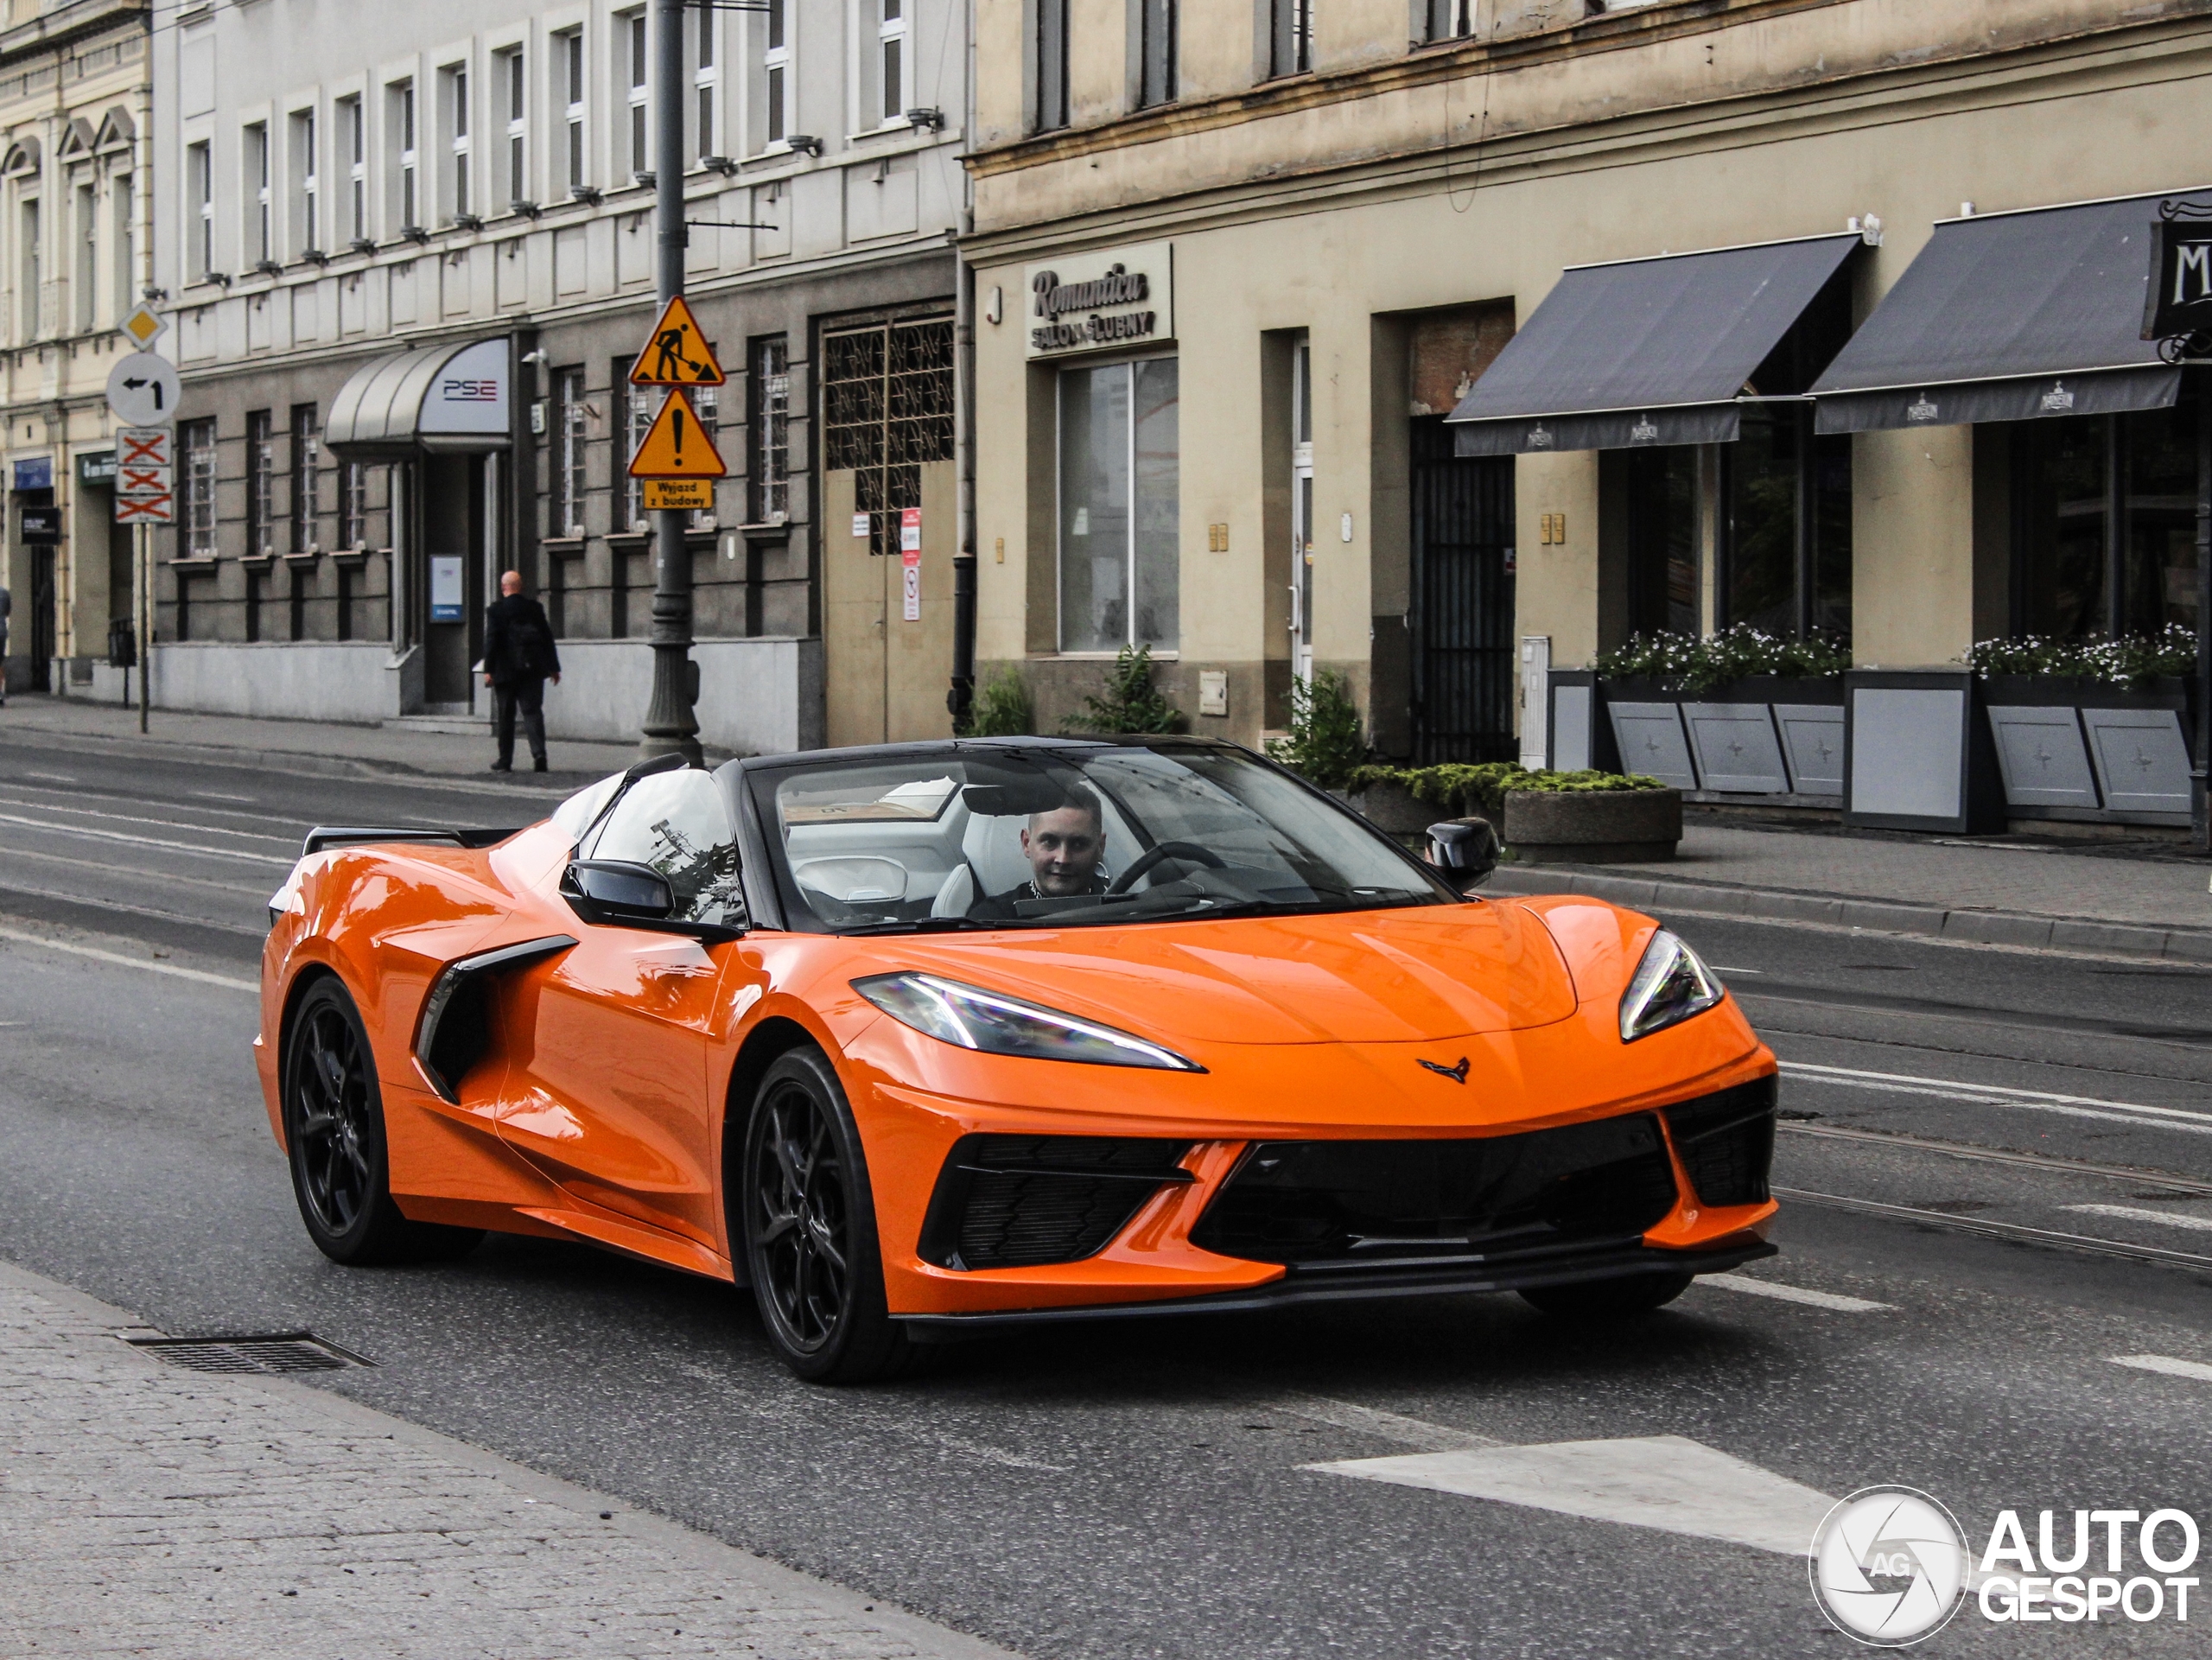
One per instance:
(969,1017)
(1671,983)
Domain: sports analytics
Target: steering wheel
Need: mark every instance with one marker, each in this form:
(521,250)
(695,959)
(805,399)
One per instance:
(1152,857)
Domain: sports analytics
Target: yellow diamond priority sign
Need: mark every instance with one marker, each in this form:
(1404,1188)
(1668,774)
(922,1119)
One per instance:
(144,326)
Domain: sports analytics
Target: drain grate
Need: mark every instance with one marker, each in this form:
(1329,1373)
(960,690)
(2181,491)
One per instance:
(266,1355)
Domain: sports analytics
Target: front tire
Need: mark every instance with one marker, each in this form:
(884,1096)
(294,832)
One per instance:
(333,1136)
(808,1220)
(1602,1299)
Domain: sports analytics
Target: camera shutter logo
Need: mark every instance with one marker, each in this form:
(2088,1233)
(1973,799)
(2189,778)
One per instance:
(1889,1567)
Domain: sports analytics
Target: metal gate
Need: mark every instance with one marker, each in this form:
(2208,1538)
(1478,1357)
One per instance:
(1462,625)
(41,619)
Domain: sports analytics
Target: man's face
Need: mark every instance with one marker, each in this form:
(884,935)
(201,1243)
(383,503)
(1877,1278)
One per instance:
(1062,848)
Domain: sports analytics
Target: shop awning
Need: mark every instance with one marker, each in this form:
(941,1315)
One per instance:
(2010,317)
(1645,352)
(435,398)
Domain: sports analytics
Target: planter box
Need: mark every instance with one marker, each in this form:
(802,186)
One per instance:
(2090,752)
(1394,812)
(1917,753)
(1773,736)
(1592,826)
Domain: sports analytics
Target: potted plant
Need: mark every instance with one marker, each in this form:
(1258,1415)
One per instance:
(1585,818)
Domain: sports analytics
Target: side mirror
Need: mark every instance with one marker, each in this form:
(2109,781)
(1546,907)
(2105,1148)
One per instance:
(617,891)
(1464,851)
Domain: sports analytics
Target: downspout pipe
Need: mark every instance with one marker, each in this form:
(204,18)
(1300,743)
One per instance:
(960,701)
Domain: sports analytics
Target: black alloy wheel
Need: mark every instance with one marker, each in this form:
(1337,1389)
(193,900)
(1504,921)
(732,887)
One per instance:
(333,1134)
(1620,1298)
(808,1227)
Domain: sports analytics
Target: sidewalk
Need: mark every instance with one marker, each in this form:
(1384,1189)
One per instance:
(326,748)
(1976,889)
(147,1510)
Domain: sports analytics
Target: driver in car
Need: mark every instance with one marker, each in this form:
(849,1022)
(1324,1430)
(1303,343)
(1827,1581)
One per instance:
(1063,848)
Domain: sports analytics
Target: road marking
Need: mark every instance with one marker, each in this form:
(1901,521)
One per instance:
(162,823)
(51,778)
(2167,1364)
(2132,1213)
(1371,1421)
(1998,1094)
(1717,969)
(988,1453)
(246,929)
(158,879)
(1827,1299)
(220,795)
(2009,1231)
(1895,1139)
(99,956)
(1657,1481)
(151,842)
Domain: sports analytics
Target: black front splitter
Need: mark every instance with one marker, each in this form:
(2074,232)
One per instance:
(1335,1283)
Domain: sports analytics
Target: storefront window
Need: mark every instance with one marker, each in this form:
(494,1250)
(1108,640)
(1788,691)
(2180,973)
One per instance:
(2085,488)
(1120,464)
(1662,488)
(1788,573)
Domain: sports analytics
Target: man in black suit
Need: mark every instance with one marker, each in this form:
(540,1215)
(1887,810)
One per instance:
(518,657)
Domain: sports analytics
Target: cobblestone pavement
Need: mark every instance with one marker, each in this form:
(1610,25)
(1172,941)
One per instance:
(147,1510)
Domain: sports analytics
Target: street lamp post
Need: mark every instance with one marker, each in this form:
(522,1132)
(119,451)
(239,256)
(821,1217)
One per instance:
(671,725)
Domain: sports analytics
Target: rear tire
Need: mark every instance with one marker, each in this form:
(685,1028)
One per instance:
(1617,1299)
(807,1216)
(334,1140)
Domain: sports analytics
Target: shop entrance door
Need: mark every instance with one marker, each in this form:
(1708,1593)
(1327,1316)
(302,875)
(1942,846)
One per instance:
(41,617)
(1462,625)
(451,612)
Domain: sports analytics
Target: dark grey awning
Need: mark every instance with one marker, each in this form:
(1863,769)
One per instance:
(1644,352)
(444,398)
(2010,317)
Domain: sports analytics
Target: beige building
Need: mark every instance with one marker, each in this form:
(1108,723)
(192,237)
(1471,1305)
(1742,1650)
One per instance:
(1235,268)
(73,106)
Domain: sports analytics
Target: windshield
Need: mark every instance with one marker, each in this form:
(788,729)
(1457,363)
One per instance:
(1009,838)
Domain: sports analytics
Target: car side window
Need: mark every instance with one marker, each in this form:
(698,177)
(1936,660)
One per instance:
(678,824)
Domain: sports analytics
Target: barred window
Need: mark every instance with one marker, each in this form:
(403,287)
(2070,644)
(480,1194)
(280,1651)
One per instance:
(197,506)
(307,457)
(707,404)
(637,421)
(887,397)
(353,505)
(769,385)
(260,485)
(569,415)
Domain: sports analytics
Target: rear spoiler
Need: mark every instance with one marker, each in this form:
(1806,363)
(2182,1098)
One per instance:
(338,835)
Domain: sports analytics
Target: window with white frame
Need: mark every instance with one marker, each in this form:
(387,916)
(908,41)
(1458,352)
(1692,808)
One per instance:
(459,198)
(84,299)
(352,133)
(260,484)
(31,266)
(1119,483)
(569,55)
(307,227)
(123,238)
(197,487)
(768,382)
(353,505)
(890,60)
(570,413)
(258,231)
(306,477)
(400,123)
(199,219)
(707,404)
(706,86)
(511,89)
(638,413)
(639,62)
(1448,20)
(776,76)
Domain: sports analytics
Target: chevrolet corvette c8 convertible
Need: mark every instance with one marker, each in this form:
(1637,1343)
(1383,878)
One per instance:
(934,1038)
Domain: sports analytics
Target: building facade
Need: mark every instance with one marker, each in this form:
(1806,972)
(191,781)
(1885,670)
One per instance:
(410,259)
(1265,378)
(73,255)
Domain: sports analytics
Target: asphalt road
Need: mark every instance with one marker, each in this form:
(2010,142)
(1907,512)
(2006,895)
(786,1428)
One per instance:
(1998,1173)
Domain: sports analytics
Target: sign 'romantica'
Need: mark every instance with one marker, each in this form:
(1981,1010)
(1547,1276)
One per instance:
(1117,296)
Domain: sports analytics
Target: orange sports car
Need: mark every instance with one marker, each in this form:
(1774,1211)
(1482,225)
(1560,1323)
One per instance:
(939,1037)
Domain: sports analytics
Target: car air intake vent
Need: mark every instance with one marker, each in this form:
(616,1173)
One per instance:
(1314,1204)
(1015,1201)
(1727,1142)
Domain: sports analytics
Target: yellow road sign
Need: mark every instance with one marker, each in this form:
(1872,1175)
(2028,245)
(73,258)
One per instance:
(144,326)
(677,353)
(676,446)
(682,495)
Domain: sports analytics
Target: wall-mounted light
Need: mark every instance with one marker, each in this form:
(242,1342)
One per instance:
(267,268)
(150,294)
(722,164)
(806,143)
(220,277)
(932,119)
(415,233)
(528,210)
(363,244)
(467,222)
(586,194)
(648,178)
(315,256)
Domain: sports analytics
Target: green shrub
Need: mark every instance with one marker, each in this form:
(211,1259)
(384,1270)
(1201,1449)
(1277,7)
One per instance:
(1131,702)
(1466,787)
(1001,708)
(2125,661)
(1325,746)
(1689,663)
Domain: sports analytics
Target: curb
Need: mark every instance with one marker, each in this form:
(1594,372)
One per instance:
(2020,928)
